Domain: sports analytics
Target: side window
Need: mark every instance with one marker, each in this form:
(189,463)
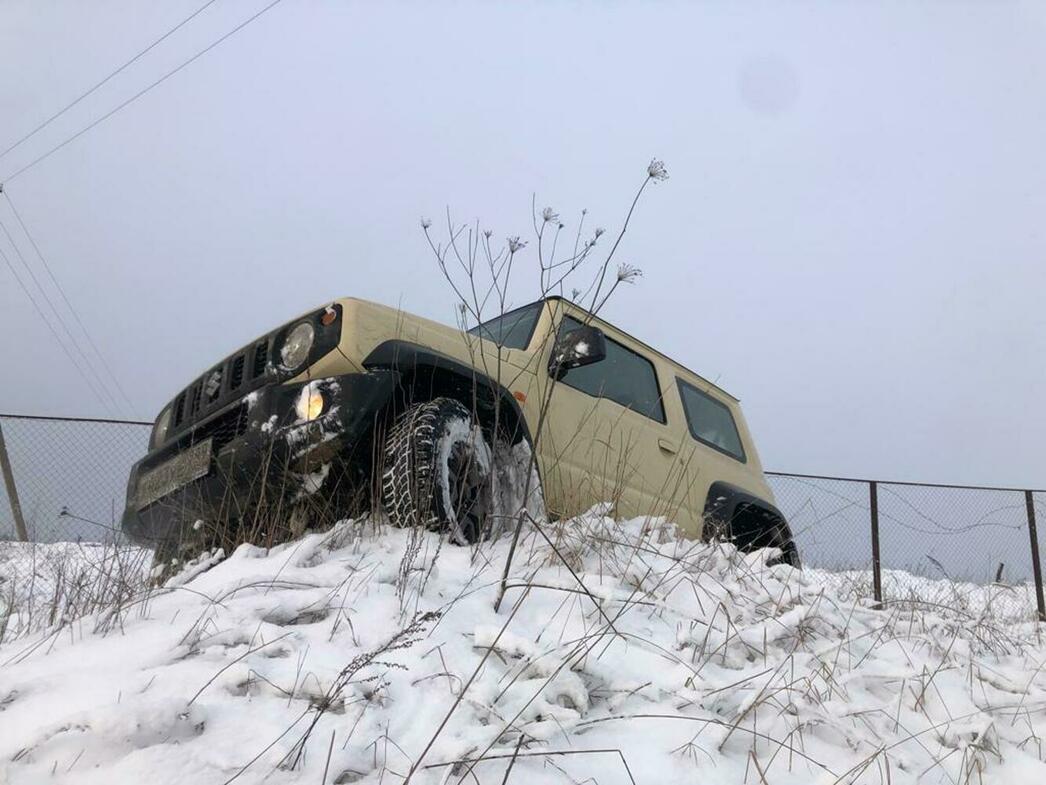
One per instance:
(512,330)
(710,421)
(624,377)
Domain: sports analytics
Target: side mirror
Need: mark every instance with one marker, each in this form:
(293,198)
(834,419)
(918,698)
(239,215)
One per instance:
(581,346)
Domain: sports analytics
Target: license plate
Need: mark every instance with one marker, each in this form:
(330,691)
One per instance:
(168,477)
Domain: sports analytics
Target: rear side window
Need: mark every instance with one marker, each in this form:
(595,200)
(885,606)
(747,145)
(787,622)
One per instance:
(624,377)
(710,421)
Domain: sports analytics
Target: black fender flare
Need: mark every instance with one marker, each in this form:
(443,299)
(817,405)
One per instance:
(408,359)
(721,508)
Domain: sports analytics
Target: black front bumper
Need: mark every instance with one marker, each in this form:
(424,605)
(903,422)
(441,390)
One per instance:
(258,447)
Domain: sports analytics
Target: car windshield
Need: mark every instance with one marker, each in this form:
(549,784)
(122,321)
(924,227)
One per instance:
(511,330)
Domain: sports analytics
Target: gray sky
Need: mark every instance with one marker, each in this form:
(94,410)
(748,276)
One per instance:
(851,239)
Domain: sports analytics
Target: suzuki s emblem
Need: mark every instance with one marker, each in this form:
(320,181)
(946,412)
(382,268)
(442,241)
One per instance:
(213,384)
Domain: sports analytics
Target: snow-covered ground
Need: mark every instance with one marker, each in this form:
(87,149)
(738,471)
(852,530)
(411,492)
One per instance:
(45,583)
(619,655)
(1005,603)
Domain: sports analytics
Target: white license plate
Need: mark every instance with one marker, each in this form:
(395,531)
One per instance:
(168,477)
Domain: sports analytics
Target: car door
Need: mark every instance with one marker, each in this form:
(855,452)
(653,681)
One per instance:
(600,442)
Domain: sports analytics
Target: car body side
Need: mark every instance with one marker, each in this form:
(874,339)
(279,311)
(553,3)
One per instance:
(592,450)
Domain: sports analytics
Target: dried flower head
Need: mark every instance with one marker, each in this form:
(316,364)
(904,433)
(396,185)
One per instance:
(657,171)
(548,214)
(425,223)
(575,294)
(515,244)
(487,233)
(626,273)
(599,231)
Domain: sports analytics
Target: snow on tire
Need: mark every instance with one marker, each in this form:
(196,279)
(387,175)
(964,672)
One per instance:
(436,471)
(517,486)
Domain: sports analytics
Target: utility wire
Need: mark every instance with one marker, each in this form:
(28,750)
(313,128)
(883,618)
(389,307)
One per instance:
(119,70)
(65,298)
(141,92)
(58,315)
(50,327)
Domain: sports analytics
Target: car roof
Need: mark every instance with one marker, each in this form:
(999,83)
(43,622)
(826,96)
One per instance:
(645,345)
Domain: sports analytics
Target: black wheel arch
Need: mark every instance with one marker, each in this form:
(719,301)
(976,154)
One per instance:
(749,520)
(424,374)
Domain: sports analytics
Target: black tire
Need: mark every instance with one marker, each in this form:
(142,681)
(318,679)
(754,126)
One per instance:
(436,471)
(752,527)
(772,532)
(781,537)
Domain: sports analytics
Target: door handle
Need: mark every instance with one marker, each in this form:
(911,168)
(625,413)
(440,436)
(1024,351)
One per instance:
(666,446)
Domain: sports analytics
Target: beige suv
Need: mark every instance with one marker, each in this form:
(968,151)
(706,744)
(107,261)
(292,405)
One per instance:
(356,405)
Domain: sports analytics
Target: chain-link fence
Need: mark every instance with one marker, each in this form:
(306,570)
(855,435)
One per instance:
(971,549)
(69,476)
(966,548)
(62,493)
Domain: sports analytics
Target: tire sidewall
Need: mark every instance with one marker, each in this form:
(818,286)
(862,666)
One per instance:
(459,431)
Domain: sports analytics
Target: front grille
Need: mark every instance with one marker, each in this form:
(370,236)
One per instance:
(222,429)
(243,372)
(237,375)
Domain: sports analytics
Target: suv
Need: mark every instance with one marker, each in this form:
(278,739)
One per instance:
(356,405)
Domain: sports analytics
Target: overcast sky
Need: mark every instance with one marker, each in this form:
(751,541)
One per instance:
(851,240)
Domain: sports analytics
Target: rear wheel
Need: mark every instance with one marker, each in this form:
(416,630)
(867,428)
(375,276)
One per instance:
(752,528)
(436,471)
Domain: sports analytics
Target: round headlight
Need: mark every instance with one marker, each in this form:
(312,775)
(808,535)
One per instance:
(296,345)
(163,422)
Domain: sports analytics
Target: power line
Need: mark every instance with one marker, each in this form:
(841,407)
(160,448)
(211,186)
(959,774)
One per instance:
(50,327)
(69,305)
(119,70)
(142,92)
(58,315)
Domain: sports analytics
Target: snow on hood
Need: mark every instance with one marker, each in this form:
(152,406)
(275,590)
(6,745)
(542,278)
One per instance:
(677,662)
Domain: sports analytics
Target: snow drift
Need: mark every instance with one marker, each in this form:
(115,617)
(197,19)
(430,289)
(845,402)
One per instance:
(620,654)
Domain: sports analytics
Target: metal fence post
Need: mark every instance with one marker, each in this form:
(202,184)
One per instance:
(12,491)
(1036,565)
(877,573)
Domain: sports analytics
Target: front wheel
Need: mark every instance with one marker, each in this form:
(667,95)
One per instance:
(436,471)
